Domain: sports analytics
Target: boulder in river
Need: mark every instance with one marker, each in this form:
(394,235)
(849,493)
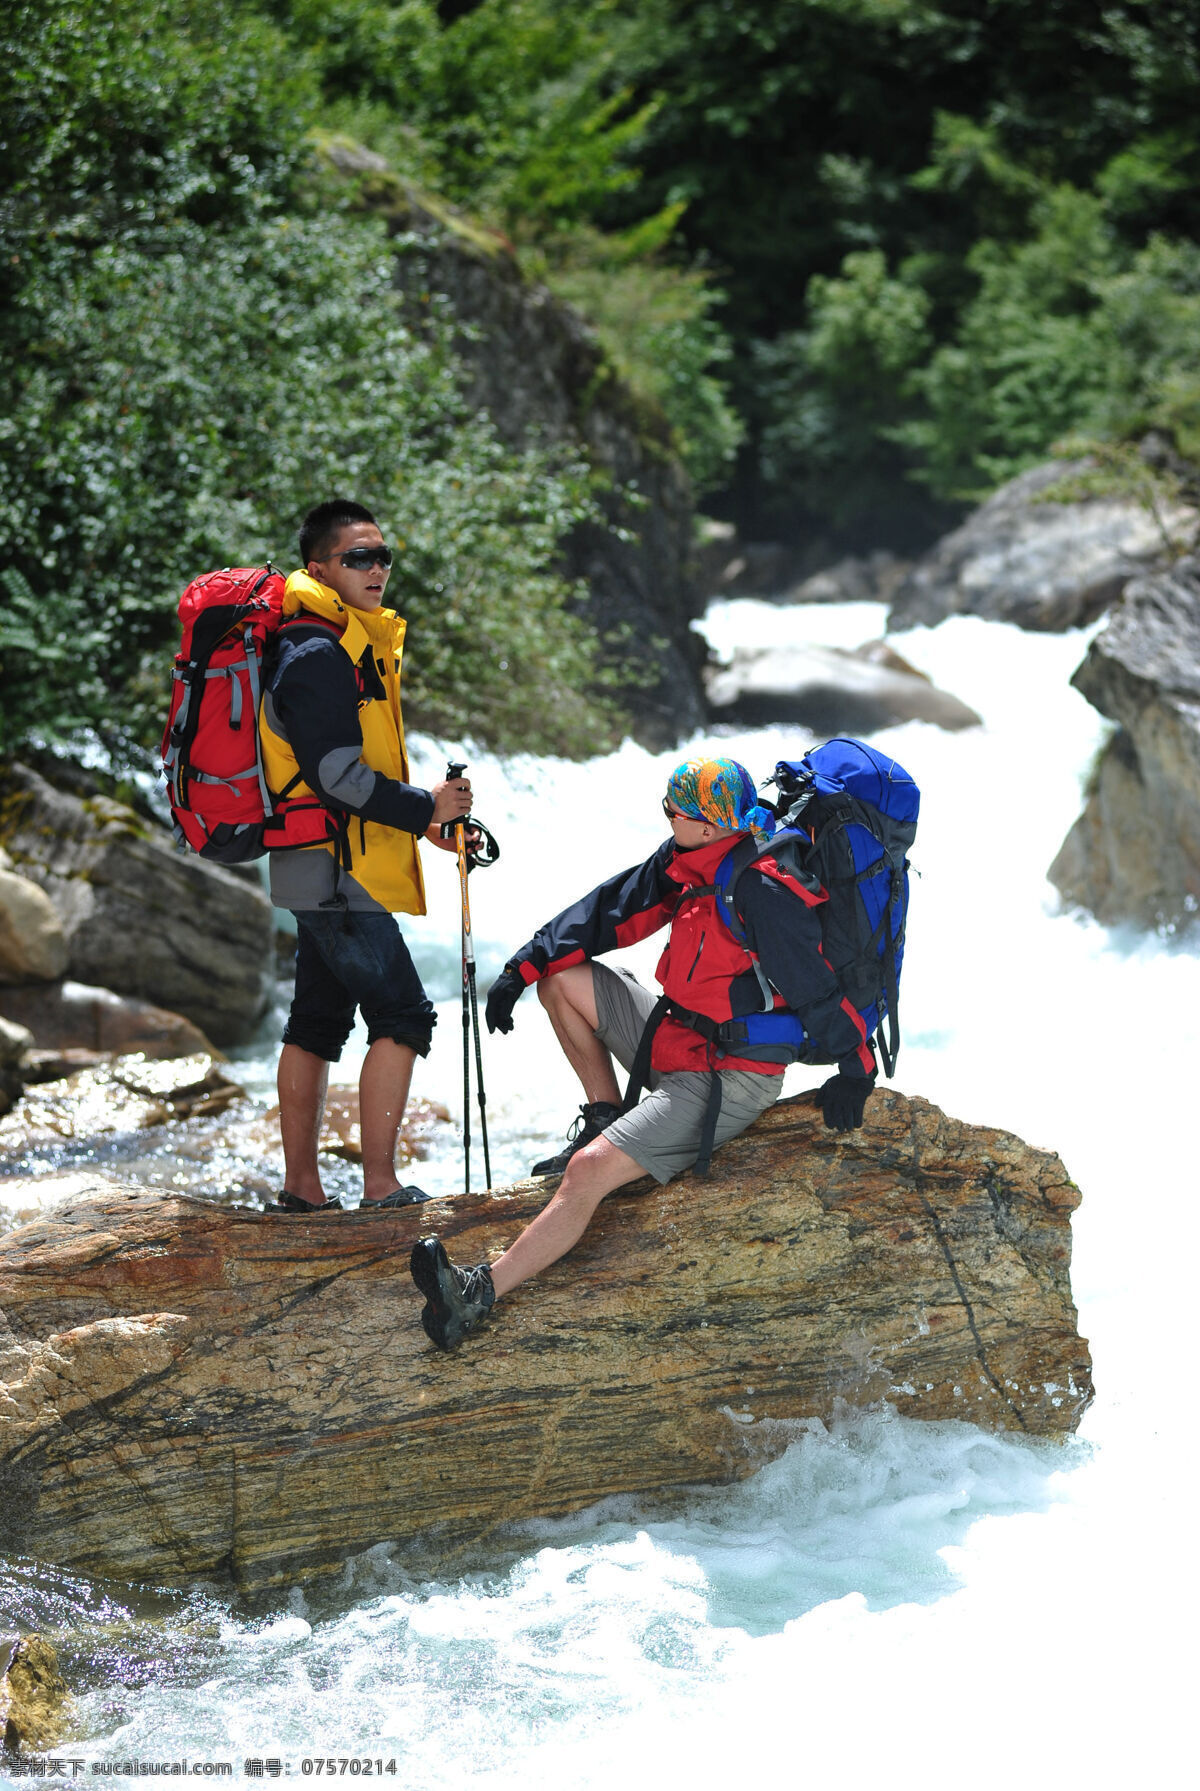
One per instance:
(32,941)
(190,1390)
(34,1702)
(140,917)
(1047,566)
(828,691)
(70,1016)
(1134,853)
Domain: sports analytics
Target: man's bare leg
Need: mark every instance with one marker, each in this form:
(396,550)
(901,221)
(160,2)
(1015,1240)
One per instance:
(383,1085)
(592,1173)
(570,1000)
(302,1083)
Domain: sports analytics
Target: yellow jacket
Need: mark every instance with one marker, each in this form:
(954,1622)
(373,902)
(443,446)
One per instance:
(308,705)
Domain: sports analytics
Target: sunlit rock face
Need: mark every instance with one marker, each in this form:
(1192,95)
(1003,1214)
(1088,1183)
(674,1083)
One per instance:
(1023,557)
(192,1390)
(1134,853)
(139,917)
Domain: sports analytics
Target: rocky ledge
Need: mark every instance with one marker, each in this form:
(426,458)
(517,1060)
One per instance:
(189,1390)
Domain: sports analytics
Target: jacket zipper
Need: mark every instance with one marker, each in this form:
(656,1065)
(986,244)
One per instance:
(696,959)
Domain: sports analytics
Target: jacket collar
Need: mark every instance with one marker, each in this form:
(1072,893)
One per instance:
(694,868)
(379,627)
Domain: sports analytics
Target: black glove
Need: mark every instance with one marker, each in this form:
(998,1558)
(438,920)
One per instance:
(842,1100)
(503,997)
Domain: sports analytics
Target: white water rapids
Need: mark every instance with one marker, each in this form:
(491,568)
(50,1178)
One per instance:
(886,1603)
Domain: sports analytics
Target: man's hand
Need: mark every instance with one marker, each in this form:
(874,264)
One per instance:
(503,997)
(451,799)
(842,1100)
(433,834)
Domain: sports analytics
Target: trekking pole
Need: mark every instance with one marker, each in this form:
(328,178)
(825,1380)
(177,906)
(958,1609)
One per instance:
(470,1008)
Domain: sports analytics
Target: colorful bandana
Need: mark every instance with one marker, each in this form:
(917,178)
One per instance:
(719,791)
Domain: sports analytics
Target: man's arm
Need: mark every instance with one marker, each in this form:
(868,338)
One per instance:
(626,908)
(783,928)
(315,698)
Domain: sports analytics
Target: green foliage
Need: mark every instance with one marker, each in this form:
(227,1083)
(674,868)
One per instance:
(515,109)
(177,390)
(519,111)
(657,324)
(1069,332)
(830,392)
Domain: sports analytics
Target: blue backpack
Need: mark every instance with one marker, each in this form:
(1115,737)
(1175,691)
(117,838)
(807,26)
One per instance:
(848,815)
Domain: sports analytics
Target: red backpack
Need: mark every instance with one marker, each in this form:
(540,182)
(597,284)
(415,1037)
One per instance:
(212,760)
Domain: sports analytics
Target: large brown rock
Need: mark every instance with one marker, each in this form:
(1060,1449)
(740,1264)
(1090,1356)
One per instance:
(1134,853)
(141,918)
(193,1390)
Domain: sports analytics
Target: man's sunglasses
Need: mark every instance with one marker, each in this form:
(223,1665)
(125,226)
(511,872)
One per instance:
(361,559)
(673,814)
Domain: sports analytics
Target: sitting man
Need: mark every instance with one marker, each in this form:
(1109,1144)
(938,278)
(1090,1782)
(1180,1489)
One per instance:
(347,862)
(702,1091)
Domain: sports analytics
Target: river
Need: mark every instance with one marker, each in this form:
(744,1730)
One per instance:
(886,1603)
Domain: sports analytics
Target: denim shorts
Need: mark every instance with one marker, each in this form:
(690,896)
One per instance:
(347,960)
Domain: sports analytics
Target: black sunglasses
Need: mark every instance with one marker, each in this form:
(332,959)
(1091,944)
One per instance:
(361,559)
(673,814)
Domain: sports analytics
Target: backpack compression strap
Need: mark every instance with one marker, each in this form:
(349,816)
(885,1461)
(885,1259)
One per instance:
(639,1074)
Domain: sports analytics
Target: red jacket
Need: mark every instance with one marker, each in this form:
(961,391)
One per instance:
(703,967)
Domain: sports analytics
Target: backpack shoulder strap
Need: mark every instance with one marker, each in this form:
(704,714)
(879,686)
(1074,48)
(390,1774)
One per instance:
(789,848)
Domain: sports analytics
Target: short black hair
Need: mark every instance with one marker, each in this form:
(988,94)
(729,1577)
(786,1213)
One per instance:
(324,523)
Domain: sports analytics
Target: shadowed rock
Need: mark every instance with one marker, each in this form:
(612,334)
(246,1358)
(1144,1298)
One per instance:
(193,1390)
(1134,853)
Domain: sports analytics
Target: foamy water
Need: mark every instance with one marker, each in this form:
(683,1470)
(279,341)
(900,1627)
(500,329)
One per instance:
(884,1602)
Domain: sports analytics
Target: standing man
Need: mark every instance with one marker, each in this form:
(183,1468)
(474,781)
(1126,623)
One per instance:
(333,740)
(707,1080)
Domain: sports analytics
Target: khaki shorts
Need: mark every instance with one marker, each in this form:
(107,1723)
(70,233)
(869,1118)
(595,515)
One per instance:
(662,1134)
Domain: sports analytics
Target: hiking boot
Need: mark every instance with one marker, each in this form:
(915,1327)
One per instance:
(591,1122)
(457,1299)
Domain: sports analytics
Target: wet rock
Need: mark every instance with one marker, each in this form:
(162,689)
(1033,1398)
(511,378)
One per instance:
(35,1705)
(139,917)
(189,1390)
(32,942)
(15,1043)
(1045,566)
(824,690)
(71,1017)
(1134,853)
(123,1095)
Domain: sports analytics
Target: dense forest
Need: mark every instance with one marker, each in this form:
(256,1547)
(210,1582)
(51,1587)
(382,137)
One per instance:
(868,257)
